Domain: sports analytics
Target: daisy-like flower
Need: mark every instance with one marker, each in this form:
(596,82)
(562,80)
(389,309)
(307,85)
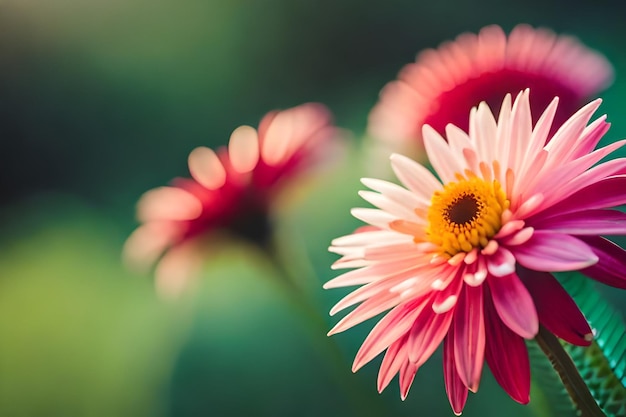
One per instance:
(234,190)
(467,258)
(444,84)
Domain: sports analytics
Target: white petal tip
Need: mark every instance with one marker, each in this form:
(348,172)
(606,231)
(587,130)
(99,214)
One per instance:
(243,149)
(206,168)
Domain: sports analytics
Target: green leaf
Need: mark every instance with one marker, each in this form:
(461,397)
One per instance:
(603,364)
(549,396)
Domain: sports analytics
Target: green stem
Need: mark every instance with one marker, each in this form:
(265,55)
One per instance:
(567,371)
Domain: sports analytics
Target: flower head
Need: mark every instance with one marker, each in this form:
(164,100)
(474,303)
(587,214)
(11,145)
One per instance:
(444,84)
(233,191)
(466,258)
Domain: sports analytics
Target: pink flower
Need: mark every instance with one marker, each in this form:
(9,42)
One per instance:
(233,191)
(466,258)
(444,84)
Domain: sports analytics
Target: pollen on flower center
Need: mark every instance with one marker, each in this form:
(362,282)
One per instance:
(465,214)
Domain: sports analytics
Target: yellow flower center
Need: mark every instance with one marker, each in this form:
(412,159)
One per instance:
(465,214)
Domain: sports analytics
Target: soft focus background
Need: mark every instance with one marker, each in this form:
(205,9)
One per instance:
(102,100)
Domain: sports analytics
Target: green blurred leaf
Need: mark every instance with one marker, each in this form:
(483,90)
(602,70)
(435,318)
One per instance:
(603,364)
(78,336)
(549,396)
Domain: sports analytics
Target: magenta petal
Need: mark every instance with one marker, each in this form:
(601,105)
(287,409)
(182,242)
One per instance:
(455,388)
(431,327)
(469,336)
(557,311)
(552,252)
(506,356)
(611,268)
(591,222)
(514,305)
(426,335)
(598,195)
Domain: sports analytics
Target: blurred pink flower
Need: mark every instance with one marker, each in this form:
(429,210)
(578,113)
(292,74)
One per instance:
(444,84)
(467,258)
(232,191)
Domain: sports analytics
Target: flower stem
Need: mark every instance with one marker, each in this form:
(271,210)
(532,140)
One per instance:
(567,371)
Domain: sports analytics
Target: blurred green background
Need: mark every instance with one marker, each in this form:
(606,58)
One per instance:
(102,100)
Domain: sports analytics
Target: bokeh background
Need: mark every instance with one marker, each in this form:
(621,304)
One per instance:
(102,100)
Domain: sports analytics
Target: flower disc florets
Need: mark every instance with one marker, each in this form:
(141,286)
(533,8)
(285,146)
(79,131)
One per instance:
(465,214)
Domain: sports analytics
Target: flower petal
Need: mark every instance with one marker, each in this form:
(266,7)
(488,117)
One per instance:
(556,310)
(392,361)
(455,388)
(560,146)
(552,252)
(415,176)
(444,161)
(501,263)
(599,195)
(514,305)
(611,267)
(178,267)
(426,334)
(206,168)
(407,375)
(168,203)
(146,244)
(243,149)
(390,328)
(506,355)
(469,336)
(588,222)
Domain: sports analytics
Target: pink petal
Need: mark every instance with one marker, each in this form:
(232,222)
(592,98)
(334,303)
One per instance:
(556,310)
(392,361)
(389,329)
(366,310)
(591,136)
(455,388)
(414,176)
(369,274)
(407,375)
(469,336)
(243,149)
(444,161)
(611,267)
(600,194)
(565,177)
(551,252)
(146,244)
(560,147)
(521,129)
(506,356)
(501,263)
(588,222)
(535,152)
(426,334)
(514,305)
(206,168)
(168,203)
(374,289)
(610,168)
(178,267)
(483,131)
